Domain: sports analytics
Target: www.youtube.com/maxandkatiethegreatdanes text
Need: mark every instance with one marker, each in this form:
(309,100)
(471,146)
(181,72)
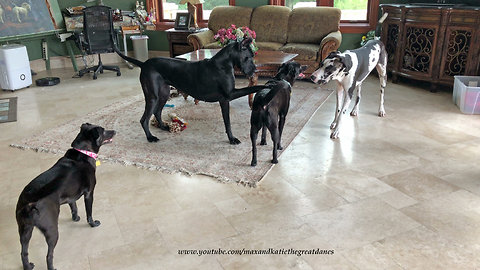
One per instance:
(269,251)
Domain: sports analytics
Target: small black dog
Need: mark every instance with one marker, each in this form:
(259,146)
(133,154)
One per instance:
(270,107)
(71,177)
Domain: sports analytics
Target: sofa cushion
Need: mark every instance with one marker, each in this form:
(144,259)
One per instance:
(311,24)
(270,23)
(269,46)
(213,45)
(306,52)
(224,16)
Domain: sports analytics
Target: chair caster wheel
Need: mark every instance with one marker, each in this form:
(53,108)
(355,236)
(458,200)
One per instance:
(119,73)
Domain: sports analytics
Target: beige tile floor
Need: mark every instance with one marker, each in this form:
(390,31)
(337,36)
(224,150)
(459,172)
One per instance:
(402,192)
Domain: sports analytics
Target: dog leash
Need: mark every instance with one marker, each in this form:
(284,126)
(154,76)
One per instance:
(90,154)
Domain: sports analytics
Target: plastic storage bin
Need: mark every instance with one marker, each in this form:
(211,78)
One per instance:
(466,94)
(140,47)
(14,67)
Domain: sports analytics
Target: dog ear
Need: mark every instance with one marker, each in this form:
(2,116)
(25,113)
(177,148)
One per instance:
(80,139)
(333,54)
(291,69)
(245,43)
(282,67)
(85,126)
(97,135)
(347,63)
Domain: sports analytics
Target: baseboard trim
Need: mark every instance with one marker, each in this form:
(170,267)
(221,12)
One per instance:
(107,58)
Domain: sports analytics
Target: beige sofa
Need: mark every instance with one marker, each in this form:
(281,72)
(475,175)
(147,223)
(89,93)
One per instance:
(312,33)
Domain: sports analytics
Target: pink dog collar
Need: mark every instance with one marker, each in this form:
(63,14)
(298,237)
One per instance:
(88,153)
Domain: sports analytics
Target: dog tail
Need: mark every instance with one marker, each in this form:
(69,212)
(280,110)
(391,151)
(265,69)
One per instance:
(270,95)
(134,61)
(274,88)
(27,212)
(240,92)
(378,29)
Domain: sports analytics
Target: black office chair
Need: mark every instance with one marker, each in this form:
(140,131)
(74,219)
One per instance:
(98,37)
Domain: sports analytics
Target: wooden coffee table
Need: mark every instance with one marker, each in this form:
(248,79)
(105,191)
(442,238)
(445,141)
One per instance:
(266,62)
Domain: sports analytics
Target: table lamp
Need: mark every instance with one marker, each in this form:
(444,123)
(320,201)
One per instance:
(192,9)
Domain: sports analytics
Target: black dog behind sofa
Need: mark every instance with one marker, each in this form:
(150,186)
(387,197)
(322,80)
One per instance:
(210,80)
(71,177)
(270,107)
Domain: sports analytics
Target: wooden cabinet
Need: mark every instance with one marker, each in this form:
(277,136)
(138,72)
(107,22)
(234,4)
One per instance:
(432,43)
(177,41)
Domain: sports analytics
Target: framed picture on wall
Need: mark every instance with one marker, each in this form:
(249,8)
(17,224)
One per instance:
(21,17)
(182,21)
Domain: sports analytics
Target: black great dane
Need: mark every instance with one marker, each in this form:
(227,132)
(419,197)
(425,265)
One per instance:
(210,80)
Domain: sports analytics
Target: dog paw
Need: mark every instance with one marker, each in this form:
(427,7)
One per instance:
(152,139)
(234,141)
(333,125)
(75,218)
(263,142)
(164,127)
(254,163)
(354,113)
(279,147)
(30,266)
(94,223)
(274,161)
(334,135)
(381,113)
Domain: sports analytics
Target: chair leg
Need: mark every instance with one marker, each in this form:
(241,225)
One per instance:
(113,68)
(99,69)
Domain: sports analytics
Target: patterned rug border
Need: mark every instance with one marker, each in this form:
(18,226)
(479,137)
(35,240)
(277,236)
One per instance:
(145,166)
(149,166)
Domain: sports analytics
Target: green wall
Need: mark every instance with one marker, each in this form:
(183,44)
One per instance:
(56,48)
(251,3)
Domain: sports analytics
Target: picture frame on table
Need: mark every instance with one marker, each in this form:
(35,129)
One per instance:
(182,21)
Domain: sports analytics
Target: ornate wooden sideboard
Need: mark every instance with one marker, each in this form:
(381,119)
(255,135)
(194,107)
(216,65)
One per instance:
(432,43)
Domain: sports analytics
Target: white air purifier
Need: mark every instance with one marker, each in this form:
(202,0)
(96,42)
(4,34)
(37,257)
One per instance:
(14,67)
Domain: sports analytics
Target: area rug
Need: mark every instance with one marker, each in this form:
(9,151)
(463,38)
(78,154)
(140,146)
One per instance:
(201,149)
(8,110)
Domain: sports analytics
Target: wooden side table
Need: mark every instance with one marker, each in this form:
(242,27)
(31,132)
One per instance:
(177,40)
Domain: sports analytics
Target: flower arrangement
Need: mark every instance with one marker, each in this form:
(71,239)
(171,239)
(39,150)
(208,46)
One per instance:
(369,36)
(232,34)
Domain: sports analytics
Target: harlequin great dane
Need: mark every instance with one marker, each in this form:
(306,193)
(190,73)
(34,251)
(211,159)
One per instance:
(210,80)
(349,70)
